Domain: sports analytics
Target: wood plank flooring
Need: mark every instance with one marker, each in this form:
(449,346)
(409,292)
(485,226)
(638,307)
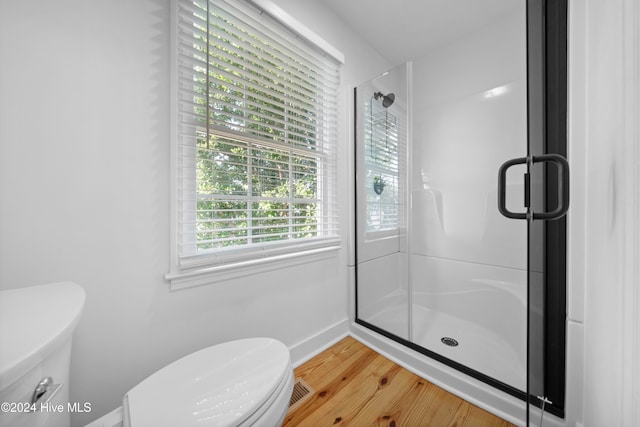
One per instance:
(355,386)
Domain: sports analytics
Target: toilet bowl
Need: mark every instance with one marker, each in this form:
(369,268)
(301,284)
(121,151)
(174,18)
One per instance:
(240,383)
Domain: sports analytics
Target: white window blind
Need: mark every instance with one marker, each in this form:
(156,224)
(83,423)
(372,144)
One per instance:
(256,138)
(383,146)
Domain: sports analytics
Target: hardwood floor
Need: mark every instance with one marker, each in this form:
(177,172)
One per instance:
(355,386)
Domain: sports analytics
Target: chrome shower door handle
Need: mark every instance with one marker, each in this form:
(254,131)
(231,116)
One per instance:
(563,188)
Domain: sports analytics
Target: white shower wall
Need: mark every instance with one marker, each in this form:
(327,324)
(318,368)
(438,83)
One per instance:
(469,116)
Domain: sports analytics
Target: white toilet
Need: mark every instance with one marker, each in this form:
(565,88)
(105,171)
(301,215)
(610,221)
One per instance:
(36,331)
(240,383)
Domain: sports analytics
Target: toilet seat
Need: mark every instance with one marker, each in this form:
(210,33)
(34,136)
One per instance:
(230,384)
(272,412)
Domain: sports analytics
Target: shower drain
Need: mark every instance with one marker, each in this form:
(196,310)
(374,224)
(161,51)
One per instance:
(449,341)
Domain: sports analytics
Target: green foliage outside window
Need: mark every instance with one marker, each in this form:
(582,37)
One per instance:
(252,189)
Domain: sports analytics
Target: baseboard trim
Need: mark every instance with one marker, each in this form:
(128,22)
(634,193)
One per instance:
(310,347)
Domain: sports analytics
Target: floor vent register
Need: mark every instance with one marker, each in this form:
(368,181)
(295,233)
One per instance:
(301,393)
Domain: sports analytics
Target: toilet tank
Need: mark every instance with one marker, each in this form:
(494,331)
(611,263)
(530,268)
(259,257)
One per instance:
(36,327)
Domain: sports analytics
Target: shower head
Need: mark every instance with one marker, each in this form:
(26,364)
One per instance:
(387,99)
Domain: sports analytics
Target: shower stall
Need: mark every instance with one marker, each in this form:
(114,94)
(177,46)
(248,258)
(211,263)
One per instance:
(443,265)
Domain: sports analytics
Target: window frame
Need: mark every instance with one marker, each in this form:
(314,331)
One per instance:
(224,264)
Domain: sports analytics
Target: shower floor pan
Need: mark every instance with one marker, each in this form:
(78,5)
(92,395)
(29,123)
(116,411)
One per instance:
(478,347)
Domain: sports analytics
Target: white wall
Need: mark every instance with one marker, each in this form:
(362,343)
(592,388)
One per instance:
(84,192)
(605,230)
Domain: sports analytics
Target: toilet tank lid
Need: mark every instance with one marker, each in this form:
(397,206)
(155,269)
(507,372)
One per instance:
(34,322)
(221,385)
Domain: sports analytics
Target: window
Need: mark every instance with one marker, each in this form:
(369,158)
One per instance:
(382,161)
(255,151)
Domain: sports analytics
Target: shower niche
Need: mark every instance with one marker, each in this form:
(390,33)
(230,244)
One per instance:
(438,267)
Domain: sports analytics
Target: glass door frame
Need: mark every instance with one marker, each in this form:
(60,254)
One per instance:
(547,29)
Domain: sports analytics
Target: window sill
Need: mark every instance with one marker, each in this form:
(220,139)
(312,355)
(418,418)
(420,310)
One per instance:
(206,275)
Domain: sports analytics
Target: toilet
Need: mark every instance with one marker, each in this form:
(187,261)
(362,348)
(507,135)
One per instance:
(36,331)
(239,383)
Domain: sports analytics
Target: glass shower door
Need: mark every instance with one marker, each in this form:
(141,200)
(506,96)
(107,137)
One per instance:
(439,266)
(468,264)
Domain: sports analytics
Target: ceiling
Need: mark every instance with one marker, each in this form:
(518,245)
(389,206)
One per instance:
(407,29)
